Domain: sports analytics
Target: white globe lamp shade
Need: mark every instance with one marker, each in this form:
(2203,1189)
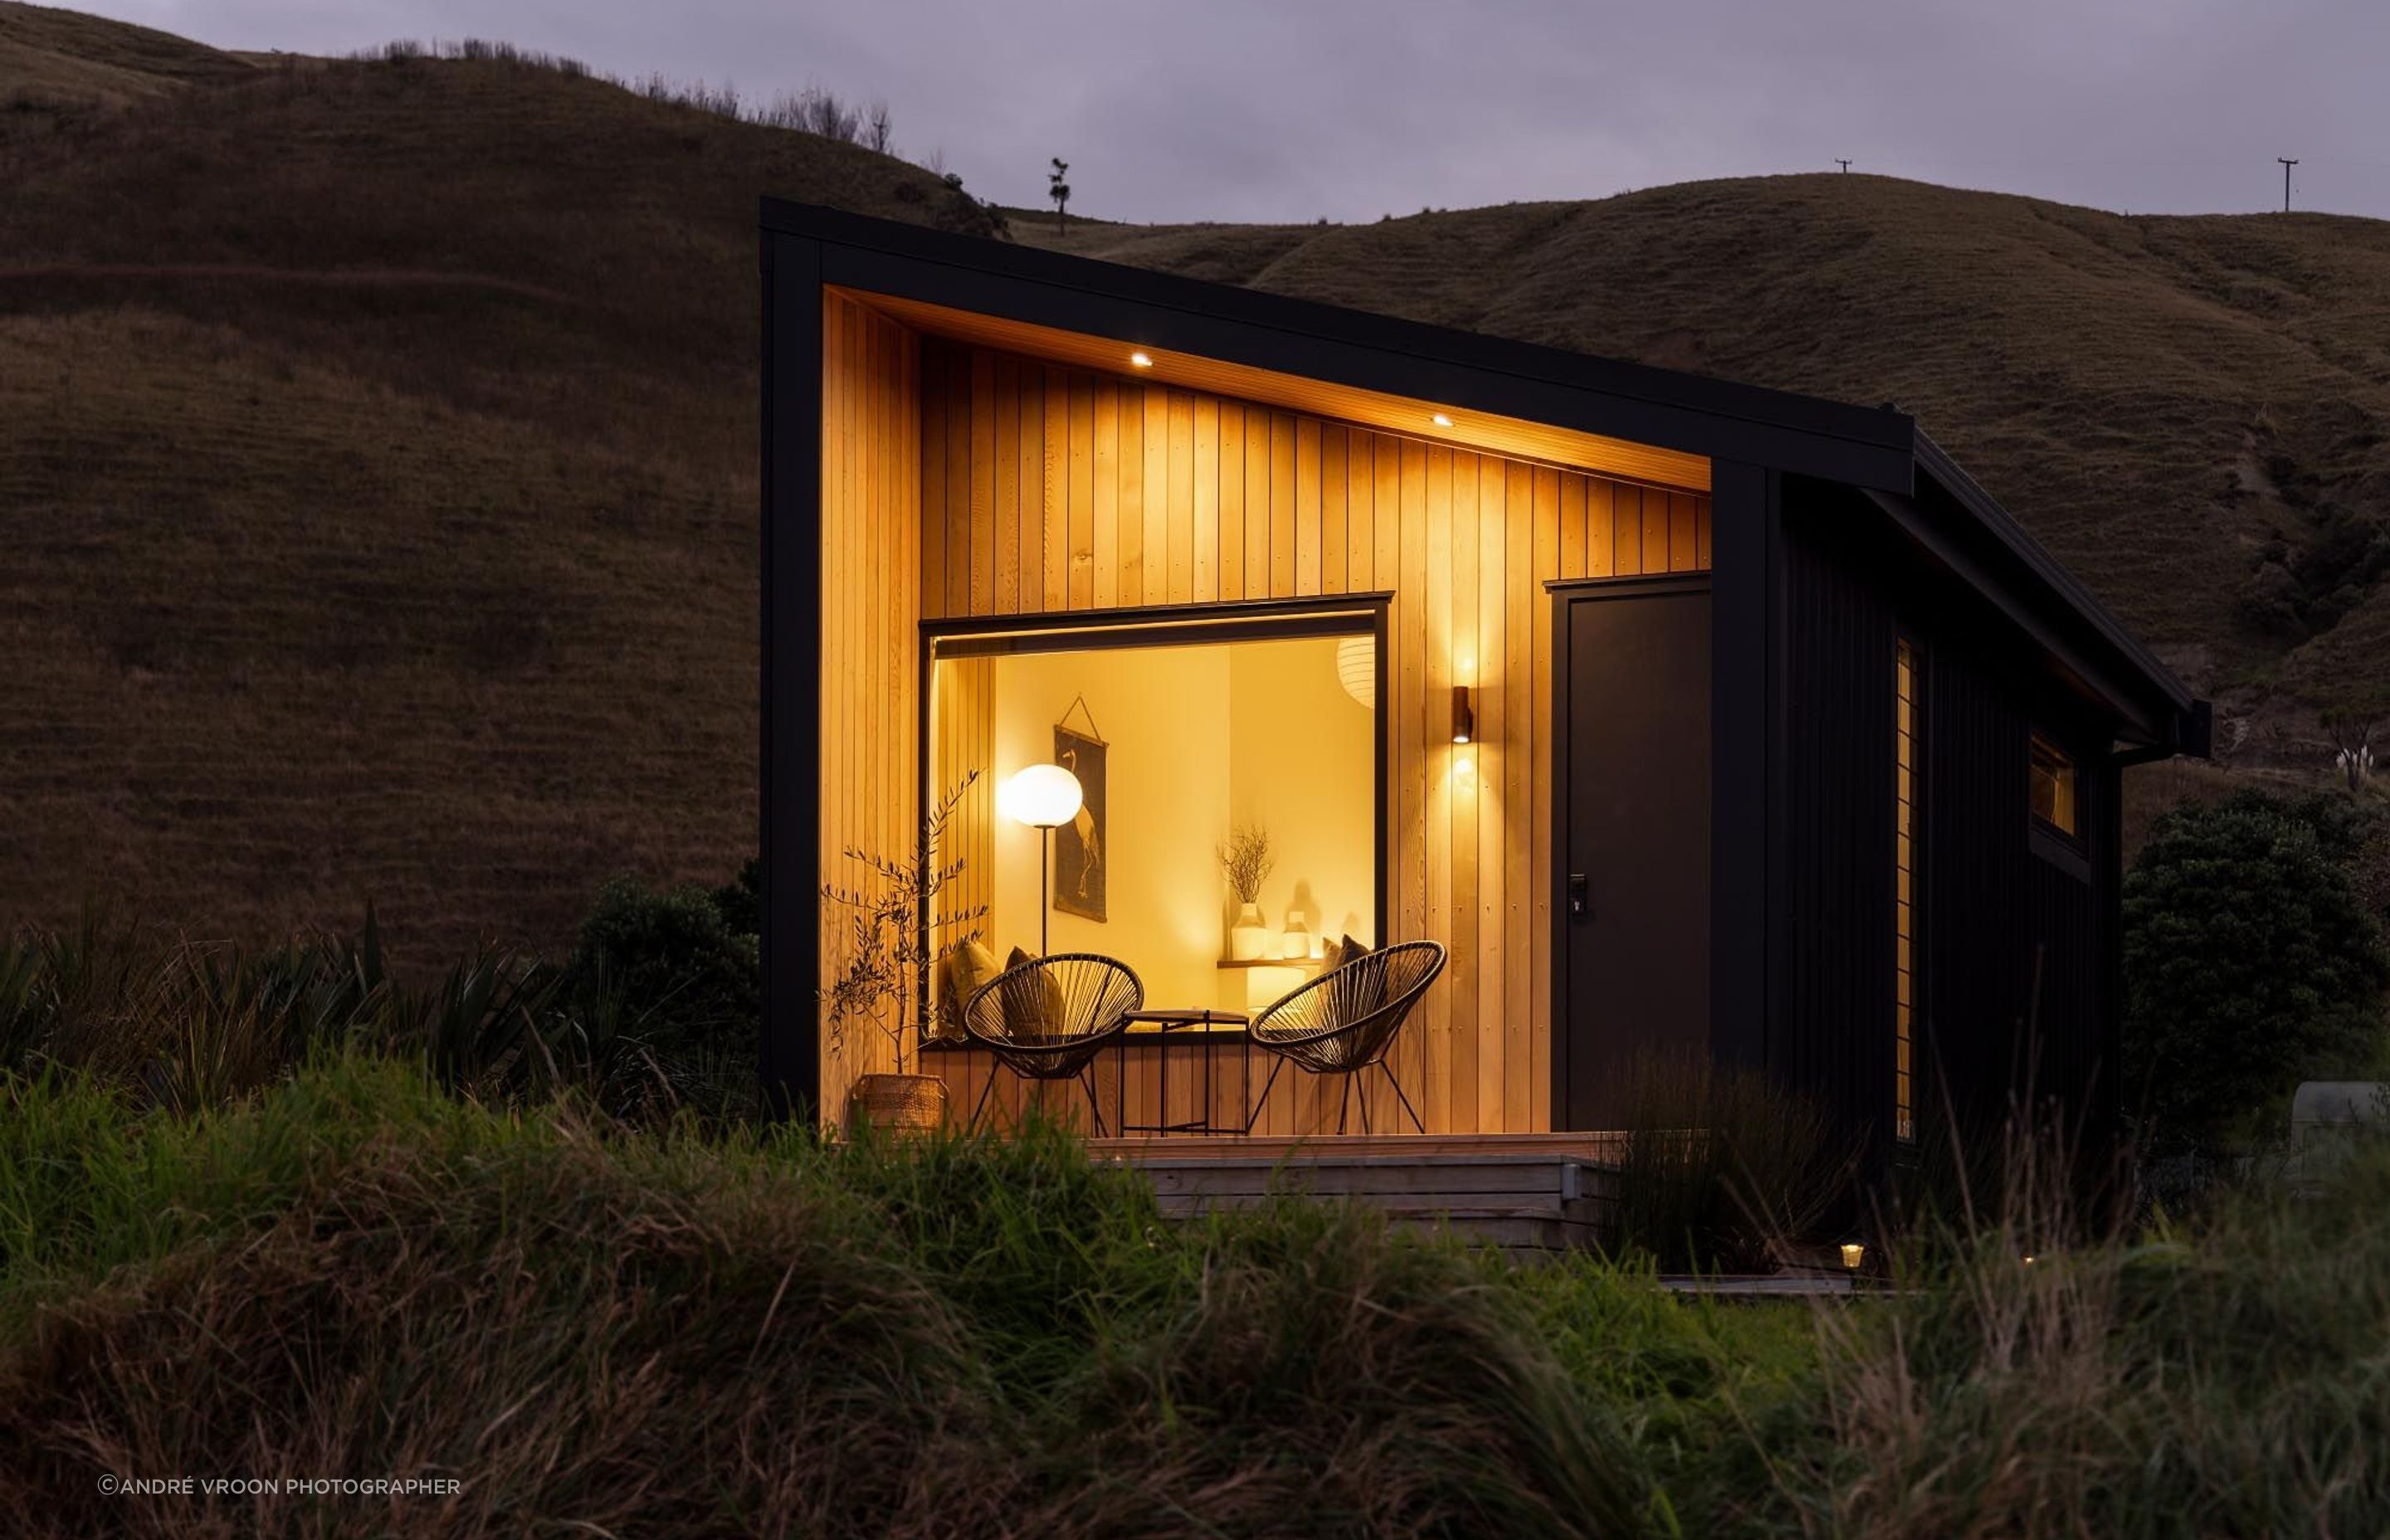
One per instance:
(1043,796)
(1357,669)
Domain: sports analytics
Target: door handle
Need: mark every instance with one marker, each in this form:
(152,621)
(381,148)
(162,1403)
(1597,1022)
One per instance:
(1580,899)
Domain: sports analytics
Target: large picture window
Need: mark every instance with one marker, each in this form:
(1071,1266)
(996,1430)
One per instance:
(1181,736)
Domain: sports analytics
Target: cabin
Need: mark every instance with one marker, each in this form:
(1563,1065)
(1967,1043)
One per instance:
(1689,718)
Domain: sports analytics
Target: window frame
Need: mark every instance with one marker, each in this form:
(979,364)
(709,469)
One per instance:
(1908,670)
(2068,850)
(1219,623)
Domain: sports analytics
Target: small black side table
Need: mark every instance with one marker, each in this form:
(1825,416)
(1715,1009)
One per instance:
(1170,1028)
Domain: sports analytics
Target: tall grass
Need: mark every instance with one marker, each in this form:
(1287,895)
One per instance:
(695,1331)
(184,1025)
(1718,1166)
(2164,1379)
(816,109)
(664,1334)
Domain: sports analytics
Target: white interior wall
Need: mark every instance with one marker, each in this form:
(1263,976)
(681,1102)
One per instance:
(1198,737)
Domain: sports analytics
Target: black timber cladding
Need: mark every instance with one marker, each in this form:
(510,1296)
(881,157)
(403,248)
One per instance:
(2015,929)
(789,831)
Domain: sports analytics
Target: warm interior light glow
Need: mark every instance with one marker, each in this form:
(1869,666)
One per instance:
(1201,736)
(2053,787)
(1853,1254)
(1043,796)
(1441,420)
(1141,360)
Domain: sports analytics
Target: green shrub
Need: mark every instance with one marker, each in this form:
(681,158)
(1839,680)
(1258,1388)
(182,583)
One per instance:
(741,900)
(678,971)
(2250,965)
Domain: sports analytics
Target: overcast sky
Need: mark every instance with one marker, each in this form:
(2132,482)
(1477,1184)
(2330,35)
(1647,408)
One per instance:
(1293,109)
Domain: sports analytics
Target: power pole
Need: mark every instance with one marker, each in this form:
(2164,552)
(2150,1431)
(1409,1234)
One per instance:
(2286,183)
(1845,164)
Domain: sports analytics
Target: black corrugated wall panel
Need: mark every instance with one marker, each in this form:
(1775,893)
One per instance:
(1974,891)
(1832,1036)
(1988,901)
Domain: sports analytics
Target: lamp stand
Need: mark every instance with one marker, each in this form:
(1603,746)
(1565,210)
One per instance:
(1044,896)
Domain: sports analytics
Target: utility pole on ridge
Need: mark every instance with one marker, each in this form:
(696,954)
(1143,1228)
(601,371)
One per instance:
(2286,182)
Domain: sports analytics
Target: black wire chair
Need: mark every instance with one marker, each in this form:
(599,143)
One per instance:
(1344,1021)
(1048,1017)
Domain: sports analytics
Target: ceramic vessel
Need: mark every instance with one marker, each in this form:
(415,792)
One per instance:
(1249,938)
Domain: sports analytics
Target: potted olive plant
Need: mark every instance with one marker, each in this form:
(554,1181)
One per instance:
(891,950)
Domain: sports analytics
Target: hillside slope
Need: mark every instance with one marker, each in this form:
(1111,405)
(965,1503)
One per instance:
(378,446)
(61,66)
(378,464)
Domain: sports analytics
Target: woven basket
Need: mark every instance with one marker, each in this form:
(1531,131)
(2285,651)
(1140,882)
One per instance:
(902,1105)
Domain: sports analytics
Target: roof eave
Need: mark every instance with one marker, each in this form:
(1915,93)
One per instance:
(1721,419)
(1880,451)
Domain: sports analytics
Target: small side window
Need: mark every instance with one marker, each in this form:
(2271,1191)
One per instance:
(2056,800)
(1905,726)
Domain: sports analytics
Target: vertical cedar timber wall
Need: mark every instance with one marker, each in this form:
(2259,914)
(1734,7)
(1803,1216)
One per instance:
(871,462)
(1049,489)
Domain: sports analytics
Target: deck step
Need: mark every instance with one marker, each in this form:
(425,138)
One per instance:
(1583,1210)
(1543,1181)
(1526,1201)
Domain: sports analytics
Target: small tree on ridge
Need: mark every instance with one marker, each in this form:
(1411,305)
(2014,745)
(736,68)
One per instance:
(1060,191)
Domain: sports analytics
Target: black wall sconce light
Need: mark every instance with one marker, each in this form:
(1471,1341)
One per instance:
(1464,720)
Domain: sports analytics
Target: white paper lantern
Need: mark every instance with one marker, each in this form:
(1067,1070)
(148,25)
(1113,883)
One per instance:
(1043,796)
(1357,669)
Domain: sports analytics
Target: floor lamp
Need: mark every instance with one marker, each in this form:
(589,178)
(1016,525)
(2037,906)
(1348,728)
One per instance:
(1045,797)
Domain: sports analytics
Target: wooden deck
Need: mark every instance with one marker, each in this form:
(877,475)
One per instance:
(1527,1193)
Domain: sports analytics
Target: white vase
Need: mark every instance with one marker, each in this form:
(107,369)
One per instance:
(1249,938)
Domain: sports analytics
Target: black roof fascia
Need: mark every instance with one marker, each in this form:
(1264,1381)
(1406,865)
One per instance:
(1860,446)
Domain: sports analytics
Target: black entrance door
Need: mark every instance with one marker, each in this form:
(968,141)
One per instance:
(1632,822)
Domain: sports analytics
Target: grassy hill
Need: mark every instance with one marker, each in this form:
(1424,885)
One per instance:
(378,446)
(378,452)
(60,67)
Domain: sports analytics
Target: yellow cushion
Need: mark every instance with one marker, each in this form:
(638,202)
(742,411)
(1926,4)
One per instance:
(1032,1003)
(961,973)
